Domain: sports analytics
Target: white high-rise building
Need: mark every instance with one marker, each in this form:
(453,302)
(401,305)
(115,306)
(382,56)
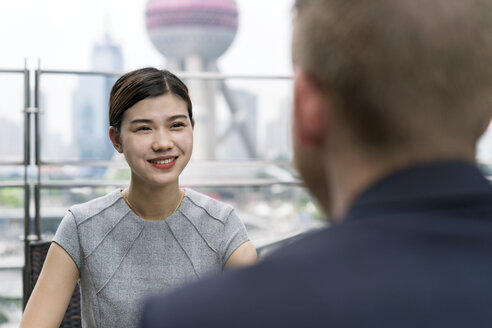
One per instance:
(231,144)
(11,140)
(278,141)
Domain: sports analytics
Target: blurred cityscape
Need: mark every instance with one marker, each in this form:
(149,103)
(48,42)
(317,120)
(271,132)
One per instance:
(239,157)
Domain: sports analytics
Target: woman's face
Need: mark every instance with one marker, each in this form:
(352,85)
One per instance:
(156,138)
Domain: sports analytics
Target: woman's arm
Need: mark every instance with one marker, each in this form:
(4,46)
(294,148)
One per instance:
(54,288)
(244,255)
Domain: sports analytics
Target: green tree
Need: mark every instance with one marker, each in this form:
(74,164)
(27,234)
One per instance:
(11,197)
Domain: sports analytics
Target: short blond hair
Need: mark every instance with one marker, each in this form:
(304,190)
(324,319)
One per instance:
(402,71)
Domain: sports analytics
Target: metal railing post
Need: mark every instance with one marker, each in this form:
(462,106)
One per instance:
(27,189)
(27,153)
(27,258)
(37,154)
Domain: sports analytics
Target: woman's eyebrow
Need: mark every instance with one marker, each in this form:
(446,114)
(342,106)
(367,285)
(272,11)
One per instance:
(175,117)
(141,120)
(148,121)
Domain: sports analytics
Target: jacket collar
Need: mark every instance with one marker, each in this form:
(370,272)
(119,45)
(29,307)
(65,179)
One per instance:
(422,185)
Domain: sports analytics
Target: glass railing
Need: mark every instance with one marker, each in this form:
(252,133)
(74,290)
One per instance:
(54,152)
(65,158)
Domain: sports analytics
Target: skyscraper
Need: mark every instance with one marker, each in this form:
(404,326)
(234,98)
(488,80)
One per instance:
(91,96)
(231,145)
(277,142)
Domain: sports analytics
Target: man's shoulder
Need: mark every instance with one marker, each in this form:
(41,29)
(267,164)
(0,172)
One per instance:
(317,278)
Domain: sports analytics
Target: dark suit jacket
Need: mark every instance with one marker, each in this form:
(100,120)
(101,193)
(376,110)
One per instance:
(415,250)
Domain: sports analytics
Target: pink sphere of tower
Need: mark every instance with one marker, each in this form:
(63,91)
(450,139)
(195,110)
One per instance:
(179,28)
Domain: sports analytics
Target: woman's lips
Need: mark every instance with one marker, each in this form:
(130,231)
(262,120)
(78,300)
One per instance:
(163,163)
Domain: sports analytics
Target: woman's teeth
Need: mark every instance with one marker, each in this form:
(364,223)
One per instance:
(165,161)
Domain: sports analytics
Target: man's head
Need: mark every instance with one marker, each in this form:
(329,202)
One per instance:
(406,76)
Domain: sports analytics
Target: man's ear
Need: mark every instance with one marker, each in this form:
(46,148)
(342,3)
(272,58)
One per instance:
(309,110)
(486,127)
(115,139)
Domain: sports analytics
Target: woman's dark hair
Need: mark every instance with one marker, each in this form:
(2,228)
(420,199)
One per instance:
(144,83)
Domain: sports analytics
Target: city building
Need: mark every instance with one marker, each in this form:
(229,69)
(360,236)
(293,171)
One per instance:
(90,103)
(231,145)
(11,140)
(277,137)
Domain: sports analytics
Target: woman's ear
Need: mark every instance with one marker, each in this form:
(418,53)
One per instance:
(115,139)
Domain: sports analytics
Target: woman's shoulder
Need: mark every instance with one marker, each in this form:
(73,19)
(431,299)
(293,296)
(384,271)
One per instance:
(196,201)
(95,206)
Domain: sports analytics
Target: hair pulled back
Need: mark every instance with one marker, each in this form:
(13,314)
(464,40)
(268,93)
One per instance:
(137,85)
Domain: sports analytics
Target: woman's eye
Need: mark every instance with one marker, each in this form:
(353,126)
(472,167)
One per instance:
(143,128)
(177,124)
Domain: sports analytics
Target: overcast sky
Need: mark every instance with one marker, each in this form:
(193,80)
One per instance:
(61,33)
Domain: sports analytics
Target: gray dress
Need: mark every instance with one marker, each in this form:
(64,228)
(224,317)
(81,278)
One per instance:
(123,258)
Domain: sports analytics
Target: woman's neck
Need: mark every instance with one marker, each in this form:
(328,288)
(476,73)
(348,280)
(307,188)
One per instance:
(153,203)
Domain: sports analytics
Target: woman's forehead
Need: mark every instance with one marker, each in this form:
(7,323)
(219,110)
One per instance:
(162,106)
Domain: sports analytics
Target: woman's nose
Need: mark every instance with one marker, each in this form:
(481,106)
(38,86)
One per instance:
(162,141)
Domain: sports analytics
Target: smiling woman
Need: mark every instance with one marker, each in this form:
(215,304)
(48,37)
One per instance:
(156,137)
(149,236)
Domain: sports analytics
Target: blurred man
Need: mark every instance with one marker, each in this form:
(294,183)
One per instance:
(390,98)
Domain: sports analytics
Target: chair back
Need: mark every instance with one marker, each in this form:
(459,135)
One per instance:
(37,255)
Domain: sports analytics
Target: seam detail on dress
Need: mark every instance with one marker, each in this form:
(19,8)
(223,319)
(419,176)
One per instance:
(222,245)
(121,261)
(107,233)
(97,306)
(200,234)
(212,216)
(93,215)
(187,255)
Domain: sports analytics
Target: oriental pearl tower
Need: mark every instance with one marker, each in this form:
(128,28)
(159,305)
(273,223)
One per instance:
(192,35)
